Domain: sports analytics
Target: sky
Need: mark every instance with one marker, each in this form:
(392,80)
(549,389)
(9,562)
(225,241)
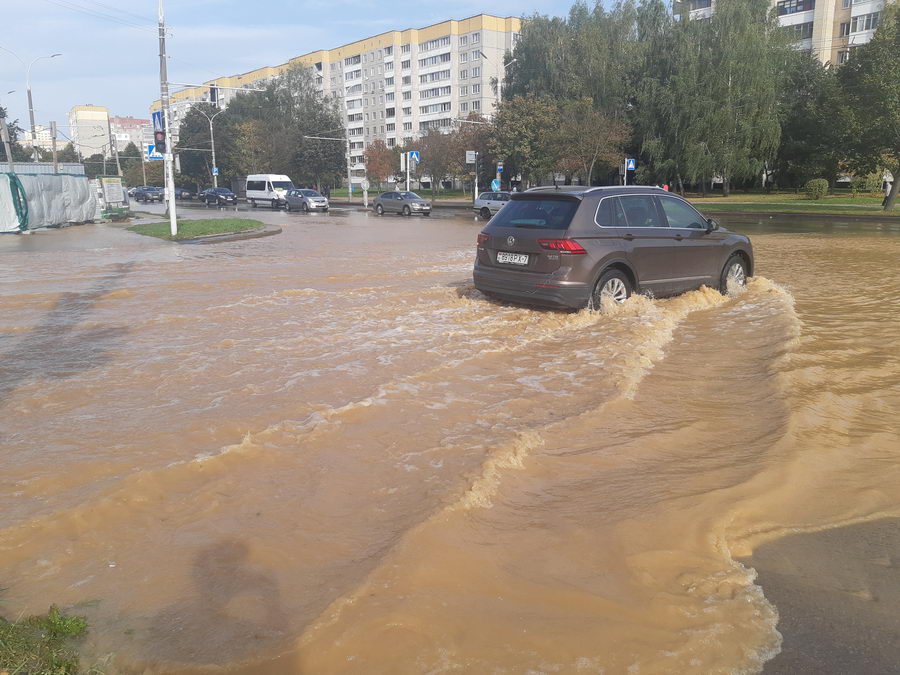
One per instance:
(110,50)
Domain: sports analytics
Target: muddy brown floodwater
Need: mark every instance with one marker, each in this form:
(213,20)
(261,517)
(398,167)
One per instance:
(325,452)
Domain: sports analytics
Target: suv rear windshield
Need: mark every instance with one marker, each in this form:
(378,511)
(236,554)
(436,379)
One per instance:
(541,214)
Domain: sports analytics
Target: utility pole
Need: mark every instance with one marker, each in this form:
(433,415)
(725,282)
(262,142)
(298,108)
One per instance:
(408,158)
(53,147)
(164,100)
(349,179)
(113,146)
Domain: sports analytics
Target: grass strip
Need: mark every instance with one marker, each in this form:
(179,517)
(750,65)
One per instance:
(192,229)
(810,208)
(41,645)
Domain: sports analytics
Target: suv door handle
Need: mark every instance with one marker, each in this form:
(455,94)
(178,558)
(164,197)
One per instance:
(678,237)
(628,236)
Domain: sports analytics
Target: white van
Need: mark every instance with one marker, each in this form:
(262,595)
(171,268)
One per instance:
(268,187)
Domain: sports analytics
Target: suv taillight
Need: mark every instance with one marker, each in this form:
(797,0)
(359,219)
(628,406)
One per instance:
(483,238)
(562,245)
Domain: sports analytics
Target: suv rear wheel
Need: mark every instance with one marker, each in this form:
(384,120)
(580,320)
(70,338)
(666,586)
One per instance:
(613,285)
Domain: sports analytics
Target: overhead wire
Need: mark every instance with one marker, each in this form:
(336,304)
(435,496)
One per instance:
(72,6)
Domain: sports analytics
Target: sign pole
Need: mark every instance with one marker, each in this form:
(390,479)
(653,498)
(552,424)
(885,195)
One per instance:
(53,146)
(408,160)
(164,101)
(625,172)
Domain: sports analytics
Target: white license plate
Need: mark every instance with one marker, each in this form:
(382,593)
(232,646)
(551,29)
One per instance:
(512,258)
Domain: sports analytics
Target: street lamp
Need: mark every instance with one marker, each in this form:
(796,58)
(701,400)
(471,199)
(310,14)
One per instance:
(499,78)
(34,152)
(212,141)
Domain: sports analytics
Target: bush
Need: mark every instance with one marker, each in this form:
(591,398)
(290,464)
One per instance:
(816,188)
(870,184)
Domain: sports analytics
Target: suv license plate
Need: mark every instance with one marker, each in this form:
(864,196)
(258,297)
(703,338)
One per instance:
(512,258)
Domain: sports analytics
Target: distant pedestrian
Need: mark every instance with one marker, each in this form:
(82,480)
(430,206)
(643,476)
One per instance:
(666,187)
(887,192)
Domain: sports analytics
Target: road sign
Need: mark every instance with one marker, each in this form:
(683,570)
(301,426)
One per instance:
(499,167)
(364,184)
(414,155)
(630,164)
(152,154)
(158,121)
(215,171)
(470,156)
(495,185)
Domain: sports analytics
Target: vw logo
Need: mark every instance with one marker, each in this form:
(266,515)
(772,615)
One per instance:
(510,241)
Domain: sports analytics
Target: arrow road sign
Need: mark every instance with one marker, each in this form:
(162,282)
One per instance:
(630,164)
(495,185)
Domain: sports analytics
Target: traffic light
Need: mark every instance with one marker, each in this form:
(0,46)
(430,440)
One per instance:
(159,139)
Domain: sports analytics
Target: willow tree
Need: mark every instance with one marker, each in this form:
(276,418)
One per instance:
(740,58)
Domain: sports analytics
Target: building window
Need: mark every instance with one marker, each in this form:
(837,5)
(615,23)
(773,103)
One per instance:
(407,126)
(352,60)
(407,95)
(434,44)
(388,51)
(389,66)
(864,22)
(463,57)
(463,107)
(390,126)
(434,108)
(476,54)
(389,97)
(404,49)
(794,6)
(476,72)
(800,31)
(389,112)
(699,4)
(434,77)
(463,91)
(436,124)
(391,142)
(843,56)
(406,80)
(476,88)
(845,29)
(463,40)
(463,74)
(435,60)
(389,81)
(436,91)
(476,37)
(407,111)
(476,105)
(405,64)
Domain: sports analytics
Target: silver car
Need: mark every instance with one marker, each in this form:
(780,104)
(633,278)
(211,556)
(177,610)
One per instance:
(305,200)
(488,203)
(406,203)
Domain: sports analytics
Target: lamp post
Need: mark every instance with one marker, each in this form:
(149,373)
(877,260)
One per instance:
(499,77)
(28,89)
(212,141)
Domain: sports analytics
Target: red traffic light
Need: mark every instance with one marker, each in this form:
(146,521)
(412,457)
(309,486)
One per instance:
(159,139)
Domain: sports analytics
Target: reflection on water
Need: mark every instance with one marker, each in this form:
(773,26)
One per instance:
(326,452)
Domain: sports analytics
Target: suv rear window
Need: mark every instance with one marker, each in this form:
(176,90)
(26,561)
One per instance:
(542,214)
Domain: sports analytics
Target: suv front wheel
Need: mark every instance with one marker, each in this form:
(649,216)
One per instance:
(613,285)
(734,274)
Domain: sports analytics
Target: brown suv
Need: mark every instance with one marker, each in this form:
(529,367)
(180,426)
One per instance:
(574,247)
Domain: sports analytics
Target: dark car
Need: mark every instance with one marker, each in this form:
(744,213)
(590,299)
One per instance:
(403,202)
(218,196)
(184,193)
(577,248)
(147,193)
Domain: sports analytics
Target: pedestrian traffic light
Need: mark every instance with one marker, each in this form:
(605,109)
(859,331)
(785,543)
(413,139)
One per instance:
(159,139)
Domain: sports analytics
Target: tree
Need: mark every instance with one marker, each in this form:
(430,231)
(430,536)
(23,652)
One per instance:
(67,154)
(133,174)
(194,133)
(380,162)
(872,88)
(586,136)
(97,165)
(435,149)
(18,152)
(473,134)
(522,136)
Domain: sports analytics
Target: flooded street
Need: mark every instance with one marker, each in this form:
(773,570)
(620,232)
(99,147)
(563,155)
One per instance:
(325,452)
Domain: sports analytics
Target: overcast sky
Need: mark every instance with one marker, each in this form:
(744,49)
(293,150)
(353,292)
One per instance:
(110,49)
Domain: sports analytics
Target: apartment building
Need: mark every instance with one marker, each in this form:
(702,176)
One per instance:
(393,86)
(89,129)
(127,130)
(828,28)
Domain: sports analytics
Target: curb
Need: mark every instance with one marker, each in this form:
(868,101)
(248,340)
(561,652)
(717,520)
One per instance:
(833,217)
(266,231)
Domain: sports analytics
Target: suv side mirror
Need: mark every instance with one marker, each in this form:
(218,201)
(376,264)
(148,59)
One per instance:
(711,225)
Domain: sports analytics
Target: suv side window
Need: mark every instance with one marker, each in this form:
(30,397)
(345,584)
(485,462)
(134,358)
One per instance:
(640,211)
(606,215)
(681,215)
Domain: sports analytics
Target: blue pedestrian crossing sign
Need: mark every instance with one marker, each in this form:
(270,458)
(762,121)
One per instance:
(495,185)
(215,171)
(158,121)
(630,164)
(152,154)
(414,155)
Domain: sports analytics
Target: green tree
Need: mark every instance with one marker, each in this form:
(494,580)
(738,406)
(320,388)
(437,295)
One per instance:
(96,165)
(522,136)
(435,149)
(871,84)
(67,154)
(585,136)
(194,133)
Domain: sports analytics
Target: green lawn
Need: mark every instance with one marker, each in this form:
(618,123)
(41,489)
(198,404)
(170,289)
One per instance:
(41,645)
(799,206)
(191,229)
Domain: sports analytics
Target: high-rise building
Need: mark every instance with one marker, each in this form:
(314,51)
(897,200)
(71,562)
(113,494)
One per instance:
(392,86)
(89,129)
(127,130)
(830,29)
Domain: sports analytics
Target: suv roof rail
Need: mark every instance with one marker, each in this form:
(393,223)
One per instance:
(591,188)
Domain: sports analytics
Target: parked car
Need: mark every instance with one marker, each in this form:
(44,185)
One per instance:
(406,203)
(131,191)
(574,248)
(218,196)
(148,193)
(305,200)
(184,193)
(488,203)
(268,187)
